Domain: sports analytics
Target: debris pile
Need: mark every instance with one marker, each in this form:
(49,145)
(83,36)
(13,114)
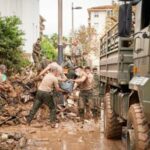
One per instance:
(16,98)
(69,110)
(12,141)
(16,102)
(19,88)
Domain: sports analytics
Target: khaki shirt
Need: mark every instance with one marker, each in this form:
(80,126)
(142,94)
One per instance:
(48,83)
(88,83)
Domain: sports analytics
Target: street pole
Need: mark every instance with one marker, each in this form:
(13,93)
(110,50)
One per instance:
(72,30)
(72,19)
(60,31)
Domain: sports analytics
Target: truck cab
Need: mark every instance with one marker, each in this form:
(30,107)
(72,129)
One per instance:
(125,75)
(141,55)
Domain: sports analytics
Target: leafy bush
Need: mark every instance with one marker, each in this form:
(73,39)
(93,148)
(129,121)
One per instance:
(48,50)
(11,40)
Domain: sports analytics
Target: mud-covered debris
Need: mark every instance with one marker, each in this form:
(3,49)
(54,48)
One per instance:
(16,101)
(4,137)
(37,125)
(70,102)
(80,139)
(19,90)
(22,142)
(17,136)
(32,131)
(72,114)
(12,141)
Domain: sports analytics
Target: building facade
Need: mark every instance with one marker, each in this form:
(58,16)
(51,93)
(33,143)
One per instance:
(28,12)
(97,17)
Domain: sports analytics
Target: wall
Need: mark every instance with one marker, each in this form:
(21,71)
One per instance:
(101,20)
(28,12)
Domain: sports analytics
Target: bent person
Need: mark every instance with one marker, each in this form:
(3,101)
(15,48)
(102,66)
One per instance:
(45,95)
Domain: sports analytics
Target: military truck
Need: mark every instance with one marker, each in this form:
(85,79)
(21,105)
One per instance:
(125,75)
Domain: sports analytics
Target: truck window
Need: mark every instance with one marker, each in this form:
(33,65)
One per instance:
(145,13)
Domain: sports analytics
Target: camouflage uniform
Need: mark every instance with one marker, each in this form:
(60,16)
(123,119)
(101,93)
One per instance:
(86,99)
(69,65)
(36,54)
(96,98)
(86,95)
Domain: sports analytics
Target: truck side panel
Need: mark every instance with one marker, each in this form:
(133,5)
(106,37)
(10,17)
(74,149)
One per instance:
(116,55)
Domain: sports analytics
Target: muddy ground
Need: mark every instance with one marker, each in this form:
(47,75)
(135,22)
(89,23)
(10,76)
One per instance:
(68,135)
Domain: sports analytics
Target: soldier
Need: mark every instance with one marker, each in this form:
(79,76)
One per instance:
(37,52)
(68,64)
(94,102)
(96,93)
(45,94)
(86,94)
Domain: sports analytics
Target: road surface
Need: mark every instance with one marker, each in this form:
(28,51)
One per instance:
(68,135)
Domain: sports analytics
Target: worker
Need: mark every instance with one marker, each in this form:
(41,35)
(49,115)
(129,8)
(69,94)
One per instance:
(85,86)
(45,94)
(93,103)
(36,54)
(96,94)
(3,76)
(69,67)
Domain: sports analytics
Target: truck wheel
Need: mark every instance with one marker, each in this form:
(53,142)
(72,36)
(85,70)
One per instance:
(112,127)
(138,130)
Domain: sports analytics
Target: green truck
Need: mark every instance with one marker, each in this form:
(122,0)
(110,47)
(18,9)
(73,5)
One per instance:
(125,75)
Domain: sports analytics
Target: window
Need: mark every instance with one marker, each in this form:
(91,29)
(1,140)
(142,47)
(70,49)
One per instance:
(145,20)
(96,25)
(96,15)
(109,12)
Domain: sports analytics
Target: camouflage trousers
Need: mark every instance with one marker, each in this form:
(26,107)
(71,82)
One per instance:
(46,98)
(85,103)
(86,98)
(97,103)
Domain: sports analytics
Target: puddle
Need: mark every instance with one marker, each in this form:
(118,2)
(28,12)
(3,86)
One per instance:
(68,136)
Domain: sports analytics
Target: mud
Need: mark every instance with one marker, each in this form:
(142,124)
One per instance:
(67,136)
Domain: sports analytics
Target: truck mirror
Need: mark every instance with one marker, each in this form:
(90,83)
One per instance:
(125,20)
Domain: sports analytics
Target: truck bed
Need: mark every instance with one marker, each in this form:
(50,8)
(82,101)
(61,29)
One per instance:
(116,57)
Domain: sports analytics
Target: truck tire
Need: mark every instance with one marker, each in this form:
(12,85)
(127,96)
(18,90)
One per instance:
(138,131)
(112,127)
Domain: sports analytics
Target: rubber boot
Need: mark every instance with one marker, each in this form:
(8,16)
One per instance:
(81,113)
(53,116)
(95,115)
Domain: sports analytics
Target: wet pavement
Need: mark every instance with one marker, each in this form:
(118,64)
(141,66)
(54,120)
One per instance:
(67,136)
